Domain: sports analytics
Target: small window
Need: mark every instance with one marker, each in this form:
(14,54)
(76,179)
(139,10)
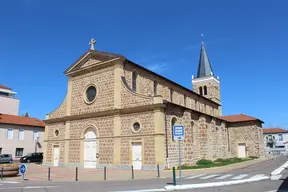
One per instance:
(134,81)
(185,98)
(173,122)
(155,88)
(136,126)
(56,133)
(205,90)
(19,152)
(35,135)
(0,150)
(21,134)
(200,91)
(280,137)
(10,134)
(171,95)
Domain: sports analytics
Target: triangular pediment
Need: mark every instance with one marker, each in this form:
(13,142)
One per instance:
(91,59)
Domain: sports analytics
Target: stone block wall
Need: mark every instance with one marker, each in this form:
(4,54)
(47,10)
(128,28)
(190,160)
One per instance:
(60,111)
(104,81)
(249,133)
(145,87)
(205,138)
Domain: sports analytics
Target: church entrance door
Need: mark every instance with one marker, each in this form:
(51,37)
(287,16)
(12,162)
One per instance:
(137,156)
(90,150)
(56,156)
(242,150)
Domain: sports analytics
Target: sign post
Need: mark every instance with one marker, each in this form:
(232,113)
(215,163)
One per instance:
(178,135)
(23,169)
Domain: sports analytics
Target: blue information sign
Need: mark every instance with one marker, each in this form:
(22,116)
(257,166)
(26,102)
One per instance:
(23,169)
(178,132)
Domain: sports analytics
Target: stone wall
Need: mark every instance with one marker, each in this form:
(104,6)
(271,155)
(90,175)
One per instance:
(144,136)
(204,138)
(249,133)
(60,111)
(145,87)
(104,81)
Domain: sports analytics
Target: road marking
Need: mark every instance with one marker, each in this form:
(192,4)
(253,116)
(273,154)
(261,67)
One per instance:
(256,176)
(240,176)
(209,176)
(275,177)
(224,176)
(195,176)
(9,182)
(145,190)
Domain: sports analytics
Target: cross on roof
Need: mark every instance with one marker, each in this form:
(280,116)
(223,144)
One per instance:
(91,43)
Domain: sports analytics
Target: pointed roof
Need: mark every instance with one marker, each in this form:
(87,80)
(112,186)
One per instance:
(204,67)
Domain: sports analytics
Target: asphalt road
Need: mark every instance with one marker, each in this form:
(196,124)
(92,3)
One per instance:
(109,186)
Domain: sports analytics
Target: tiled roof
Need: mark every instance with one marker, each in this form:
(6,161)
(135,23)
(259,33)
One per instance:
(239,118)
(4,87)
(21,120)
(274,130)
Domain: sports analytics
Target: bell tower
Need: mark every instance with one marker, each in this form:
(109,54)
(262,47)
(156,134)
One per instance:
(206,84)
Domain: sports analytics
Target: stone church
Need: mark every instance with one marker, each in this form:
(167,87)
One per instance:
(117,113)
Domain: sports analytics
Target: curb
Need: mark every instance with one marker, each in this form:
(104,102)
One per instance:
(215,184)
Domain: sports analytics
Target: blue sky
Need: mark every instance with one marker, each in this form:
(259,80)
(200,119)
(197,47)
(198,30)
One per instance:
(246,43)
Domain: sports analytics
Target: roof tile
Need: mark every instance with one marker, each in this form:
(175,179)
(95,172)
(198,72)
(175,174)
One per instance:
(274,130)
(238,118)
(4,87)
(21,120)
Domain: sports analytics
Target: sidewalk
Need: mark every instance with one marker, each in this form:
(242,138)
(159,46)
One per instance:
(40,173)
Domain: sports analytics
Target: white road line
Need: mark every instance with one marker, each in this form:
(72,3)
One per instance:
(256,176)
(224,176)
(275,177)
(195,176)
(209,176)
(145,190)
(240,176)
(10,182)
(28,187)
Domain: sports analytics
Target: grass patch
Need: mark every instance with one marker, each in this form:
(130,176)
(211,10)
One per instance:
(204,163)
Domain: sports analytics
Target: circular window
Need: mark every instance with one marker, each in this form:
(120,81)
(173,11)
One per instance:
(90,94)
(56,133)
(136,127)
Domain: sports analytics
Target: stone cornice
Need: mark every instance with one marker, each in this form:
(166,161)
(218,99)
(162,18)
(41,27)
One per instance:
(106,113)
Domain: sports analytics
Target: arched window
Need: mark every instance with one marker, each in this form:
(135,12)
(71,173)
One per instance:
(155,87)
(134,81)
(171,95)
(173,122)
(200,91)
(205,90)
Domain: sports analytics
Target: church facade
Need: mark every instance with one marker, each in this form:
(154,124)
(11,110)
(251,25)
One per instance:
(117,113)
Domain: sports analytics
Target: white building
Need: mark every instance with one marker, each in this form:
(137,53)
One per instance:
(275,137)
(20,135)
(8,103)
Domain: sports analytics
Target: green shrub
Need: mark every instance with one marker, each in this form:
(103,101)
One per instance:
(204,162)
(253,157)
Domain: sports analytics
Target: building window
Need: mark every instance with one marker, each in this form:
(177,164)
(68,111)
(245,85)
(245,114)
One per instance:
(185,97)
(56,133)
(171,95)
(136,127)
(280,137)
(0,151)
(90,94)
(173,122)
(155,88)
(205,90)
(21,134)
(200,91)
(134,81)
(19,152)
(10,134)
(35,135)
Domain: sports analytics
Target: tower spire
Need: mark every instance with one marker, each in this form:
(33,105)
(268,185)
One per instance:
(204,67)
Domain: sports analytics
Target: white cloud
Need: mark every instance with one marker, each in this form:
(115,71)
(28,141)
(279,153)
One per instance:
(157,67)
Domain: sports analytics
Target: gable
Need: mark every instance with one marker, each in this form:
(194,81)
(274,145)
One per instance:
(90,59)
